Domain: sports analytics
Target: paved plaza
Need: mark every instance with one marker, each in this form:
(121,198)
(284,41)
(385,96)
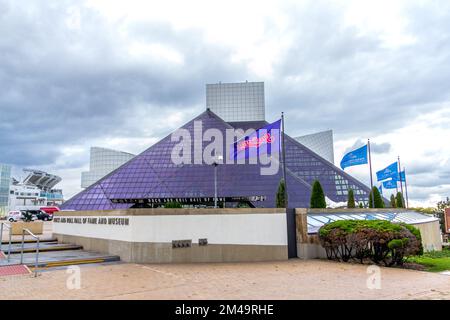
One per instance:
(294,279)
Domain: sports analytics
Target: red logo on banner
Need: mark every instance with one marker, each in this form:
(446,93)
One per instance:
(254,142)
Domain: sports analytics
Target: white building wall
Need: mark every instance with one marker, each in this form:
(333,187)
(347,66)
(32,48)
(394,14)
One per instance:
(102,162)
(237,101)
(321,143)
(244,229)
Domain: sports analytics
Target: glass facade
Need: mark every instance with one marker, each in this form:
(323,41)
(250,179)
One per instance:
(237,101)
(317,219)
(153,175)
(321,143)
(5,181)
(102,162)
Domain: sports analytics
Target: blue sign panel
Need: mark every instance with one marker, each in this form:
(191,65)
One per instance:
(390,171)
(390,184)
(355,157)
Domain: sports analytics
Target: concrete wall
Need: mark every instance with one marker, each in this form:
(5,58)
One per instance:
(308,245)
(146,235)
(431,235)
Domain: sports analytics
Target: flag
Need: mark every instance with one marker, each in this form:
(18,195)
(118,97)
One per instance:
(390,184)
(355,157)
(380,188)
(388,172)
(261,141)
(402,177)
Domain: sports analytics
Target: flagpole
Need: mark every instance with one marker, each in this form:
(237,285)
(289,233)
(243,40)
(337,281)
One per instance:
(284,162)
(371,179)
(406,188)
(400,178)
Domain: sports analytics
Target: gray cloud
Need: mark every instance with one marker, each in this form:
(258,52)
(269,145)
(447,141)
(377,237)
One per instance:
(377,148)
(63,87)
(352,82)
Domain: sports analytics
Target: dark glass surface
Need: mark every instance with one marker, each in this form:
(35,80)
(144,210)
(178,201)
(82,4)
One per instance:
(153,175)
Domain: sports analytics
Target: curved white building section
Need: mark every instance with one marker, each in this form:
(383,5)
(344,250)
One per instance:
(102,162)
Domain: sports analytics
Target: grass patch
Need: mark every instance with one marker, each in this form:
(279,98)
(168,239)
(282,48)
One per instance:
(435,261)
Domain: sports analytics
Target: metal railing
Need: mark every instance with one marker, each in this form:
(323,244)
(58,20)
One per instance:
(37,249)
(8,226)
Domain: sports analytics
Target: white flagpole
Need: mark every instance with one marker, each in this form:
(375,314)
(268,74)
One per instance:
(371,179)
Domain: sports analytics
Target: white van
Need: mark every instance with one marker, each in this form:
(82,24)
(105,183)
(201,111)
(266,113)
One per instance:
(14,216)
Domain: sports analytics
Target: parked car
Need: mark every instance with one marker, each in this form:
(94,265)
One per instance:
(38,215)
(50,210)
(14,216)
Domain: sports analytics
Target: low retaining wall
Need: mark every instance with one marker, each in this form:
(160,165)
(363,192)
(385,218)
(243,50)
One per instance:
(309,247)
(147,235)
(204,235)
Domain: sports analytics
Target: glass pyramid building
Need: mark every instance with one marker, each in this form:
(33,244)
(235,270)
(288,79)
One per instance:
(151,178)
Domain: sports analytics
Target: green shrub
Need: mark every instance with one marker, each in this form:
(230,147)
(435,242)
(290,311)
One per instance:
(351,199)
(378,241)
(393,204)
(317,196)
(399,201)
(173,205)
(378,200)
(281,201)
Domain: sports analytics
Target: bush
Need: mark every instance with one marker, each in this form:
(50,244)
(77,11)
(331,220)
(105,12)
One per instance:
(317,196)
(281,201)
(173,205)
(393,204)
(379,241)
(399,201)
(351,199)
(378,200)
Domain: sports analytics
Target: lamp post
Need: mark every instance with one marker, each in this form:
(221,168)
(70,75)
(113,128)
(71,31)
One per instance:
(215,164)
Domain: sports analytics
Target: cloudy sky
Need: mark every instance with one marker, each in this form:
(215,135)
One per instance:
(122,74)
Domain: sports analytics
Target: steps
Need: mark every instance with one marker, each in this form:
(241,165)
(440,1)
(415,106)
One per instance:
(43,247)
(16,241)
(51,254)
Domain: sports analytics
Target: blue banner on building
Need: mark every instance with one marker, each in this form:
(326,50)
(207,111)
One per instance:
(390,171)
(265,140)
(355,157)
(390,184)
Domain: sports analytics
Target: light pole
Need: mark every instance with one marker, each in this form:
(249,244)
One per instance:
(215,164)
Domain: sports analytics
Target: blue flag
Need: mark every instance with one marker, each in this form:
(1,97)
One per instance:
(390,184)
(380,188)
(402,177)
(388,172)
(355,157)
(265,140)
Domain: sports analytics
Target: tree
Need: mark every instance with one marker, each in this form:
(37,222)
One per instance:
(378,200)
(317,196)
(351,199)
(173,205)
(393,204)
(399,202)
(281,201)
(361,205)
(441,206)
(438,211)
